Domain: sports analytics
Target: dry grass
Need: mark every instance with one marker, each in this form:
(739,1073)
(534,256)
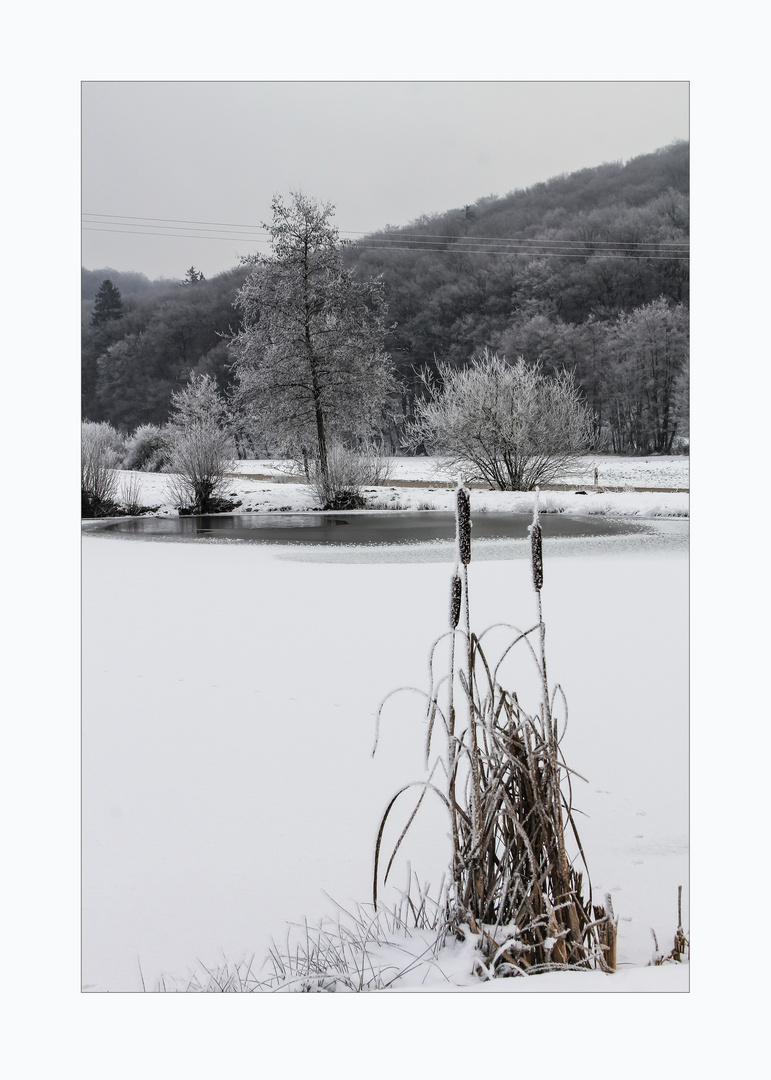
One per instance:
(681,947)
(359,951)
(131,494)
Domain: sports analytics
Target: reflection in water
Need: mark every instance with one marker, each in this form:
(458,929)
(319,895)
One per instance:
(392,527)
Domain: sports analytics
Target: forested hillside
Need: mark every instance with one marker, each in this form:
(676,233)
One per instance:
(571,272)
(588,271)
(163,332)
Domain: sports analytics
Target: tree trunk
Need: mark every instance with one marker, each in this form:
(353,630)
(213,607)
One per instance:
(318,411)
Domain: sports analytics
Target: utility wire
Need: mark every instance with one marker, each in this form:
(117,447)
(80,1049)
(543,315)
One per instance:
(390,240)
(424,245)
(178,221)
(178,236)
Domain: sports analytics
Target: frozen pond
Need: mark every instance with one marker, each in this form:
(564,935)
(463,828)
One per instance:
(370,527)
(405,536)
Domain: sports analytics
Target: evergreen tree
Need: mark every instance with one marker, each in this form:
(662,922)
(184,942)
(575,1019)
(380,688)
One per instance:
(107,304)
(193,276)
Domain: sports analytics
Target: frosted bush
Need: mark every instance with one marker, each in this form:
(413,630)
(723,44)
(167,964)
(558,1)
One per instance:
(348,472)
(200,463)
(147,450)
(507,424)
(551,504)
(100,453)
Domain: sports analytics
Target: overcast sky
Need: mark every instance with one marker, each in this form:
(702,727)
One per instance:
(199,155)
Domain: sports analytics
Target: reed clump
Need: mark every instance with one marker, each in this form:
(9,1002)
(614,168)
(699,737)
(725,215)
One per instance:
(681,947)
(518,877)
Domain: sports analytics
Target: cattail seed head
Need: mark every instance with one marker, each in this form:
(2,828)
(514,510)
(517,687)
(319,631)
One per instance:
(456,592)
(463,526)
(536,554)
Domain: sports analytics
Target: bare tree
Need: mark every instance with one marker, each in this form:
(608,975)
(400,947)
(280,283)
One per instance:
(310,362)
(505,423)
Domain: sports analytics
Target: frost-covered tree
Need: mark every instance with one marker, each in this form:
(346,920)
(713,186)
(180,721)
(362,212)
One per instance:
(198,434)
(505,423)
(199,400)
(647,378)
(310,362)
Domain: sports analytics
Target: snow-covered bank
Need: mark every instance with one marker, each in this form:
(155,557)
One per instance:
(228,710)
(281,491)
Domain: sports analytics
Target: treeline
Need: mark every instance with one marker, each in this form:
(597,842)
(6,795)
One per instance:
(139,349)
(587,271)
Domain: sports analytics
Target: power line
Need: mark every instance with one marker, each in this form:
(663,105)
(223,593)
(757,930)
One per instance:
(177,221)
(175,235)
(412,238)
(425,247)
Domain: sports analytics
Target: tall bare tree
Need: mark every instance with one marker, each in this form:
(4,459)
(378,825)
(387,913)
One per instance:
(310,362)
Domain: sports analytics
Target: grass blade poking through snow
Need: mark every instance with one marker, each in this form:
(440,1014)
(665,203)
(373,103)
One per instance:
(513,881)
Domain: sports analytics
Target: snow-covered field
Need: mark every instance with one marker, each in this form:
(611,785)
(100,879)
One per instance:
(661,472)
(229,693)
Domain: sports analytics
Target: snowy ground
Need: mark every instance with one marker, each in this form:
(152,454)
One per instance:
(661,472)
(229,693)
(613,495)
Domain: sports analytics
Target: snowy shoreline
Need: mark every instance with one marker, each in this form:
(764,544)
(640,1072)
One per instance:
(627,487)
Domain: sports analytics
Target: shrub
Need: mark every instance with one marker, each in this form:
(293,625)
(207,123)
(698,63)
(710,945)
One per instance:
(131,494)
(147,450)
(347,473)
(100,453)
(507,424)
(200,461)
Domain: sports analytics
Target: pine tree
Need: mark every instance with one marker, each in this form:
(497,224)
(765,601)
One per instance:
(107,304)
(192,276)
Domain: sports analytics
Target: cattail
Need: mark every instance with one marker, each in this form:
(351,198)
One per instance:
(463,525)
(456,591)
(537,556)
(536,547)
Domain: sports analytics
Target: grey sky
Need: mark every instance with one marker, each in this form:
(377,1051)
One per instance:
(382,152)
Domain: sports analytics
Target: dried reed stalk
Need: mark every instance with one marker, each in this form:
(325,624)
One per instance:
(508,794)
